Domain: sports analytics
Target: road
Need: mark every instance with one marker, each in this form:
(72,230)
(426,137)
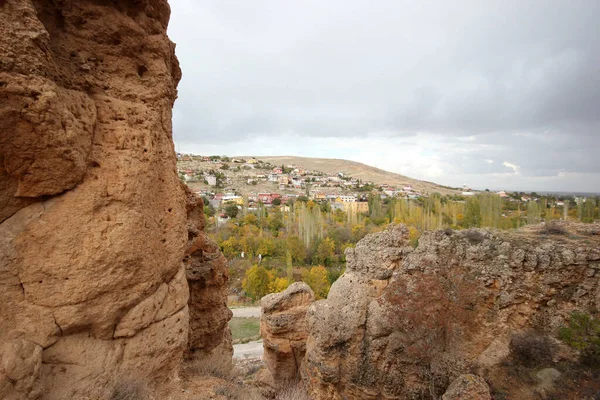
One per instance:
(248,350)
(246,312)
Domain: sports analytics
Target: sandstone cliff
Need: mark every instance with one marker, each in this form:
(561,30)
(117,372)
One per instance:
(93,289)
(401,323)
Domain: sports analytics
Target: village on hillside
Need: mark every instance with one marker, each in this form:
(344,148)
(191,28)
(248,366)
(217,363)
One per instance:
(248,183)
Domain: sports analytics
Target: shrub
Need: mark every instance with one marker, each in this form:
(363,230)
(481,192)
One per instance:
(474,237)
(583,334)
(553,228)
(257,282)
(531,349)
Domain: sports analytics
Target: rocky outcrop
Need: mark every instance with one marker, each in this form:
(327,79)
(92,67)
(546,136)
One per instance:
(93,290)
(403,323)
(207,276)
(468,387)
(284,331)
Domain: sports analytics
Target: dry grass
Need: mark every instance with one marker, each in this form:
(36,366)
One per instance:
(293,391)
(209,365)
(130,390)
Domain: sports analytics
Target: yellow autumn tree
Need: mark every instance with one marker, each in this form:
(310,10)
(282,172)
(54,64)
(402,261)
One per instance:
(316,278)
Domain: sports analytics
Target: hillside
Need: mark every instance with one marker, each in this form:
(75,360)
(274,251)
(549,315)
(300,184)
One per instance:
(360,171)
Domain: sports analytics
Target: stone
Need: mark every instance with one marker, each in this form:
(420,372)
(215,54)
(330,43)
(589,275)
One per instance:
(207,276)
(369,338)
(93,218)
(20,366)
(284,330)
(468,387)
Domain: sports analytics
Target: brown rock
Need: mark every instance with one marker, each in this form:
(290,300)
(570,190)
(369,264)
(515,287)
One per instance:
(468,387)
(207,276)
(373,336)
(284,331)
(20,363)
(92,214)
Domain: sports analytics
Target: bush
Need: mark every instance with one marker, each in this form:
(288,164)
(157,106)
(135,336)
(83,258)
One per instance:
(553,228)
(583,334)
(531,349)
(474,237)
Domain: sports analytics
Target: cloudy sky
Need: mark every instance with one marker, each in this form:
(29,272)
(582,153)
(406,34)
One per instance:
(495,94)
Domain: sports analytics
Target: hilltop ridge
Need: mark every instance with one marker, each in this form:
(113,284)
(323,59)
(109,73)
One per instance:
(360,171)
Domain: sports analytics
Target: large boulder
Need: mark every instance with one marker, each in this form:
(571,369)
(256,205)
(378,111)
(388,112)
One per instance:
(468,387)
(284,331)
(93,290)
(403,323)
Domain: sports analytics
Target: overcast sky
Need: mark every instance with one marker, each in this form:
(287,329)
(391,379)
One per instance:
(495,94)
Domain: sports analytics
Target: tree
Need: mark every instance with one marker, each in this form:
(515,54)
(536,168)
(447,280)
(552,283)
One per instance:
(325,252)
(231,210)
(296,248)
(278,285)
(472,213)
(276,201)
(266,246)
(257,282)
(316,278)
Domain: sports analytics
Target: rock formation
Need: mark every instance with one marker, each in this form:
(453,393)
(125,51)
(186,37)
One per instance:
(402,323)
(284,332)
(207,276)
(93,289)
(468,387)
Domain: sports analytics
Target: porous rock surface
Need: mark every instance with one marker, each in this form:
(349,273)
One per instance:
(284,331)
(359,346)
(207,276)
(93,290)
(468,387)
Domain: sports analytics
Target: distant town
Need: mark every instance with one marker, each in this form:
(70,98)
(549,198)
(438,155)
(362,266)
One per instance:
(250,182)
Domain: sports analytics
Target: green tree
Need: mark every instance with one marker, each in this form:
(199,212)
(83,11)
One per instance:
(472,213)
(325,252)
(276,201)
(231,210)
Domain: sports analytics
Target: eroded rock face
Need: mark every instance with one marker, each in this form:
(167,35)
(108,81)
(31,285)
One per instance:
(400,322)
(92,215)
(468,387)
(207,276)
(284,331)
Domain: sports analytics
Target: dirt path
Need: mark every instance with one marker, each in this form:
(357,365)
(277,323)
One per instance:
(248,350)
(246,312)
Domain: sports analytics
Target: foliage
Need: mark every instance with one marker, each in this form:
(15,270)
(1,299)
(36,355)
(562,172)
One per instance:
(276,201)
(257,282)
(279,285)
(583,334)
(231,210)
(325,252)
(316,278)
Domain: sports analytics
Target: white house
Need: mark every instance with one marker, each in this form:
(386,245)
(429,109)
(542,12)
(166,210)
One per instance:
(211,180)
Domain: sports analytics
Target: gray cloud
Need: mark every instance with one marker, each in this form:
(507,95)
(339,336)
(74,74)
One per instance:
(520,78)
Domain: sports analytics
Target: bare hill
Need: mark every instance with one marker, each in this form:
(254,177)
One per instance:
(360,171)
